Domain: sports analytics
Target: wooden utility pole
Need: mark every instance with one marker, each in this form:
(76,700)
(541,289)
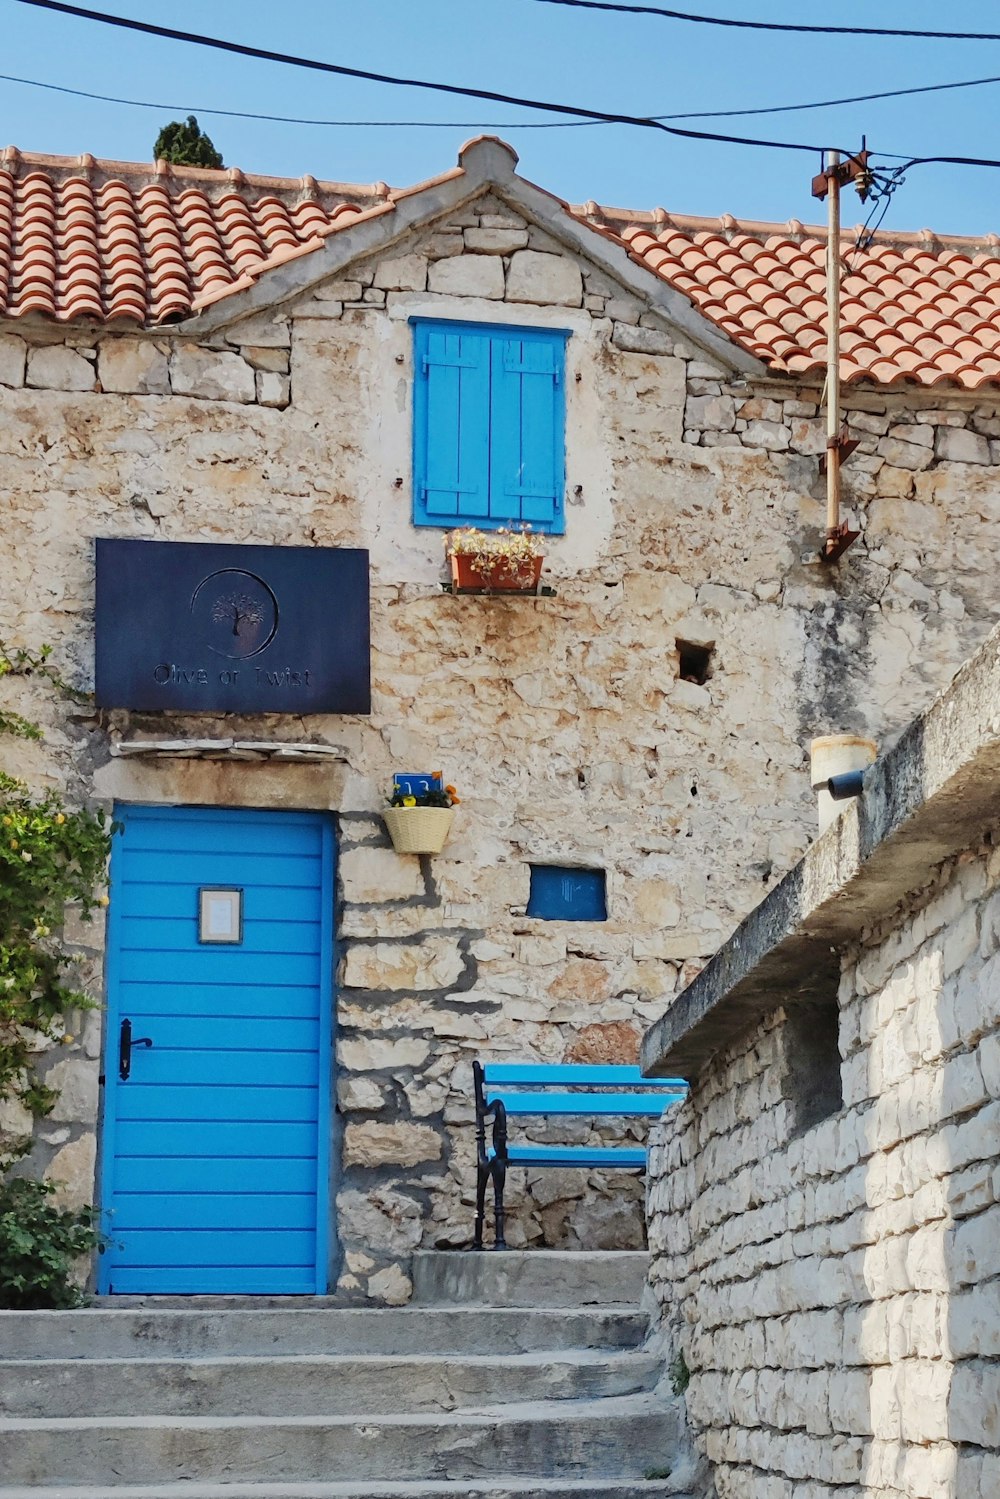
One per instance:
(838,443)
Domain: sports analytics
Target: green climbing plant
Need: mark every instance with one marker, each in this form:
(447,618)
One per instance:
(51,854)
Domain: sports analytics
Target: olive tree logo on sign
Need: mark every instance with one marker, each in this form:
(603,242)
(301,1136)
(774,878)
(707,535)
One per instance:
(236,612)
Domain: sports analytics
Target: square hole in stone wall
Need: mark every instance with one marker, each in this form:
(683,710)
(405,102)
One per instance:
(562,894)
(694,661)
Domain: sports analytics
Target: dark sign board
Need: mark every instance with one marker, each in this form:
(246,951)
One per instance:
(195,627)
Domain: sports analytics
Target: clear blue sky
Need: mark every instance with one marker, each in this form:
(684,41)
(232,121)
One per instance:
(602,60)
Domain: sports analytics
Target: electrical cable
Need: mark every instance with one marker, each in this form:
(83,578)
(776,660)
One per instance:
(704,114)
(605,117)
(243,50)
(683,15)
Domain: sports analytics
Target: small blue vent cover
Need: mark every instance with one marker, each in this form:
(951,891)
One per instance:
(561,894)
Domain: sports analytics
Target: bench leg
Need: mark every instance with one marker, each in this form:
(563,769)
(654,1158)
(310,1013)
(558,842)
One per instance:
(483,1173)
(499,1181)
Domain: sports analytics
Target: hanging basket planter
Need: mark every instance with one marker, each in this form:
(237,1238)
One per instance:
(501,576)
(418,830)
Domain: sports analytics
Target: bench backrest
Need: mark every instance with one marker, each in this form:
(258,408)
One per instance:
(509,1082)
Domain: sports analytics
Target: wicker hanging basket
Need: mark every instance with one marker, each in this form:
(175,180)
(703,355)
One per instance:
(418,830)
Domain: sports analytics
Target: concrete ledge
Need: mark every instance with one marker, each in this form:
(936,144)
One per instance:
(935,793)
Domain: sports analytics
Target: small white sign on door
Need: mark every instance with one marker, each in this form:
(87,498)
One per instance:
(220,914)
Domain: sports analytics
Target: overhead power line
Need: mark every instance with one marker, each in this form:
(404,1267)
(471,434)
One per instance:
(703,114)
(646,122)
(243,50)
(700,20)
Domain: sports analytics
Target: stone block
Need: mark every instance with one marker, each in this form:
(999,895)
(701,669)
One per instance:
(342,290)
(489,241)
(390,1286)
(76,1082)
(903,454)
(273,389)
(548,280)
(895,483)
(264,358)
(467,276)
(605,1043)
(715,412)
(656,904)
(59,368)
(405,273)
(73,1167)
(211,374)
(13,357)
(973,1405)
(360,1093)
(641,340)
(959,445)
(918,432)
(370,875)
(264,329)
(433,964)
(380,1054)
(402,1144)
(773,436)
(133,366)
(381,1221)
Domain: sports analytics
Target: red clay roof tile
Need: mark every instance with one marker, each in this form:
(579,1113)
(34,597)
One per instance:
(115,241)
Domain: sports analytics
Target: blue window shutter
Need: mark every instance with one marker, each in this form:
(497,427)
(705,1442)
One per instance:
(527,429)
(451,419)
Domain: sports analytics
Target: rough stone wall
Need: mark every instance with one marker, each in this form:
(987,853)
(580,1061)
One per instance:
(835,1291)
(564,722)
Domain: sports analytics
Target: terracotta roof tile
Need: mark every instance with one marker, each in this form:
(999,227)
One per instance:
(116,241)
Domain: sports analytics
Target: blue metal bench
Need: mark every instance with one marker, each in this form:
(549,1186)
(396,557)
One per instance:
(505,1090)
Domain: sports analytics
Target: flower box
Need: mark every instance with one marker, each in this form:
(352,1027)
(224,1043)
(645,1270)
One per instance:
(497,577)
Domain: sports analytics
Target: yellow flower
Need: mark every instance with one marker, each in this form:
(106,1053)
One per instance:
(103,900)
(409,801)
(68,1040)
(59,819)
(8,821)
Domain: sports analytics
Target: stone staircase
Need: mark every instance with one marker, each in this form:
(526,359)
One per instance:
(510,1376)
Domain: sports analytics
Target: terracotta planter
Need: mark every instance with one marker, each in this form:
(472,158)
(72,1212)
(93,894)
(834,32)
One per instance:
(496,579)
(418,830)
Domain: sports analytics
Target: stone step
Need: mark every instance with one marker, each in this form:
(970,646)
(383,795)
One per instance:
(502,1486)
(313,1386)
(622,1437)
(532,1277)
(99,1332)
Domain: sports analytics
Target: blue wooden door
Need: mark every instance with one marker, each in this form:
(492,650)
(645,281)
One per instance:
(216,1144)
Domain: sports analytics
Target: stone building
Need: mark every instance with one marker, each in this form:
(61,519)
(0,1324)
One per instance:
(824,1206)
(214,358)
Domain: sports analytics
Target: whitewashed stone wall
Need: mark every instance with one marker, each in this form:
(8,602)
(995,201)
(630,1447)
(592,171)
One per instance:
(836,1293)
(564,723)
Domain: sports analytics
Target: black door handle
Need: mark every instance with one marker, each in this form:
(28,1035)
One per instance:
(125,1045)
